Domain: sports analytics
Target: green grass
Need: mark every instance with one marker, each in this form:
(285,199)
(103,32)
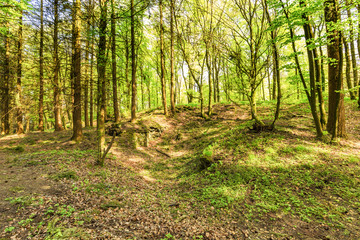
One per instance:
(65,175)
(267,174)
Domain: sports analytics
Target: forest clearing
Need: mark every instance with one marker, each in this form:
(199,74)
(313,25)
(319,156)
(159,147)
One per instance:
(196,179)
(179,119)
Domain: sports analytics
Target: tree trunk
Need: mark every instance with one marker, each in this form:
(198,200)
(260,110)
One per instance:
(208,65)
(91,75)
(133,64)
(19,114)
(336,123)
(172,77)
(113,70)
(348,71)
(86,82)
(41,84)
(101,83)
(311,97)
(352,45)
(77,125)
(162,60)
(57,105)
(322,69)
(5,121)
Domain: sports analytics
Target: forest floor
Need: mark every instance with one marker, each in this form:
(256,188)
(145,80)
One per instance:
(196,179)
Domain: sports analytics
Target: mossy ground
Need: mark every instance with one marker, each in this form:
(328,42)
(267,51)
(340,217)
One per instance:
(284,184)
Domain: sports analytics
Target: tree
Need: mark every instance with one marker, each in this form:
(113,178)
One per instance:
(336,117)
(101,83)
(76,74)
(133,64)
(19,113)
(250,51)
(113,62)
(57,104)
(172,74)
(5,120)
(41,76)
(162,60)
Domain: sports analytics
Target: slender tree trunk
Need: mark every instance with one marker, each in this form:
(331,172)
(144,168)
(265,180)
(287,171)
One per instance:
(208,64)
(5,121)
(86,82)
(172,77)
(101,83)
(128,83)
(317,77)
(41,84)
(149,94)
(348,71)
(162,60)
(358,46)
(322,69)
(336,123)
(92,85)
(142,88)
(19,113)
(113,58)
(311,98)
(92,74)
(57,91)
(77,124)
(133,64)
(352,45)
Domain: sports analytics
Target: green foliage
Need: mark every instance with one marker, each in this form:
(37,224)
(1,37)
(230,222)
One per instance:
(9,229)
(23,200)
(65,175)
(57,231)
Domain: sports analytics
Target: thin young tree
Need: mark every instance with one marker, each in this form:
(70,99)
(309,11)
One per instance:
(162,60)
(172,59)
(41,76)
(101,101)
(19,112)
(133,63)
(57,91)
(113,64)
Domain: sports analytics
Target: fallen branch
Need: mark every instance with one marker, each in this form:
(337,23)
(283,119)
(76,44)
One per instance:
(164,153)
(108,148)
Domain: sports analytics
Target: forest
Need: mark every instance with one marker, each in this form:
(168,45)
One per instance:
(179,119)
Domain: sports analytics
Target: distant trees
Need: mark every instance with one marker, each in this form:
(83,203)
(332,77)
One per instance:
(162,53)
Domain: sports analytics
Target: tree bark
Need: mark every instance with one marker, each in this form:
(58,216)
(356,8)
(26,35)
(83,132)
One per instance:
(91,74)
(57,92)
(5,122)
(101,83)
(19,113)
(113,70)
(133,65)
(352,45)
(162,60)
(310,96)
(172,77)
(41,83)
(77,124)
(336,119)
(348,71)
(86,82)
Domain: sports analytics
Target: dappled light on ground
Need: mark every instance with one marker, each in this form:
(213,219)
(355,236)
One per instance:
(196,179)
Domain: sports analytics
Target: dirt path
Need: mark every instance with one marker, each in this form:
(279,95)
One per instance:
(20,184)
